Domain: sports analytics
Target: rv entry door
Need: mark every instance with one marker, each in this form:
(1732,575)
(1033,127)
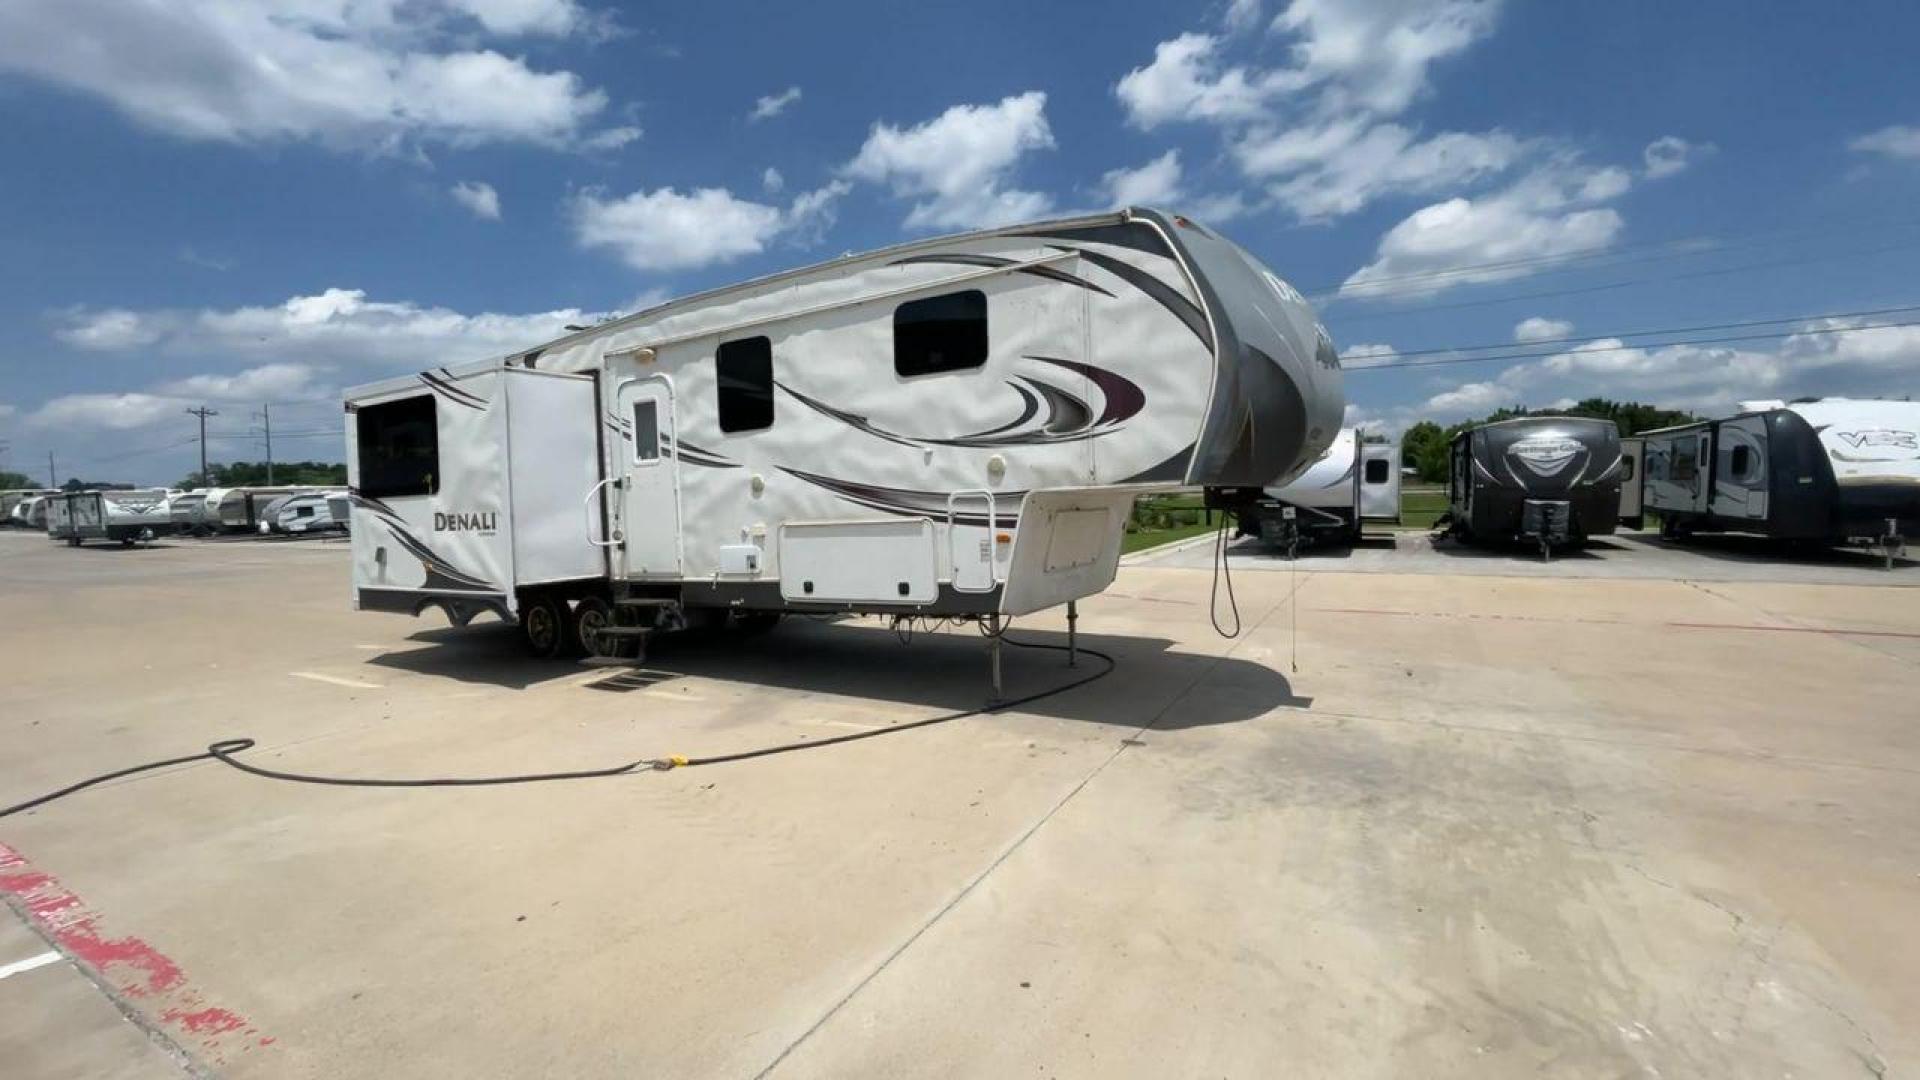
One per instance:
(649,501)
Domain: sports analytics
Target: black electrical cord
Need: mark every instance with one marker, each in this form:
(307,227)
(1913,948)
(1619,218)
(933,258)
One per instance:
(1220,564)
(225,750)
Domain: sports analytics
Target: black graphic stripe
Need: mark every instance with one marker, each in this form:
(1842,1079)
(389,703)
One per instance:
(1124,398)
(1173,469)
(453,394)
(1182,308)
(453,386)
(1139,237)
(909,503)
(1051,273)
(441,574)
(853,420)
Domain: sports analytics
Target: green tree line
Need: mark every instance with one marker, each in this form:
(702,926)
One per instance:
(254,474)
(1423,447)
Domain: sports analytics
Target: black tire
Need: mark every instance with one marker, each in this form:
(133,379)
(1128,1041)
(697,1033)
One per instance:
(590,616)
(546,626)
(756,622)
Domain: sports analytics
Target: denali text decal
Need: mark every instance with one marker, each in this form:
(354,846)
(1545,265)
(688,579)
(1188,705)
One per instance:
(480,523)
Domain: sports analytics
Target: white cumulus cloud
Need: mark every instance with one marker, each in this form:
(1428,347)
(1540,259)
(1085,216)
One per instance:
(958,165)
(667,230)
(335,326)
(1894,141)
(366,74)
(1670,154)
(1157,183)
(1539,328)
(1555,210)
(1319,131)
(478,197)
(773,105)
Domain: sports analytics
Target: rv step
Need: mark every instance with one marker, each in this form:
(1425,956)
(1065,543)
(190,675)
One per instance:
(623,631)
(645,601)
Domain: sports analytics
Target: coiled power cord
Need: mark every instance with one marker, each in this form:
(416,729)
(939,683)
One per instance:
(227,751)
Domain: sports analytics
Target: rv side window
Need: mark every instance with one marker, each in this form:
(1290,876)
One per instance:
(1742,458)
(1626,468)
(744,370)
(1377,471)
(399,445)
(940,333)
(646,430)
(1683,469)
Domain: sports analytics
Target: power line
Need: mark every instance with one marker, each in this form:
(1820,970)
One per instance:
(1699,329)
(1707,244)
(1716,272)
(1630,348)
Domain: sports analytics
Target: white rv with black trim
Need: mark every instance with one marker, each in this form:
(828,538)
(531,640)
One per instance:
(1353,482)
(952,427)
(1828,470)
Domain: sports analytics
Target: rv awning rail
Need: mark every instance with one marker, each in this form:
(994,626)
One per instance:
(835,305)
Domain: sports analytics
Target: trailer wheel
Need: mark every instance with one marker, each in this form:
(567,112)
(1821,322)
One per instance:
(545,625)
(590,616)
(756,622)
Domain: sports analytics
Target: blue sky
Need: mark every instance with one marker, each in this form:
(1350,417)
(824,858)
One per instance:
(241,202)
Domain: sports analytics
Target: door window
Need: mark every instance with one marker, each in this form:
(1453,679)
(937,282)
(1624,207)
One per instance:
(646,431)
(1377,471)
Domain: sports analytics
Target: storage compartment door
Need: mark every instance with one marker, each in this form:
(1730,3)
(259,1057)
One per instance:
(859,562)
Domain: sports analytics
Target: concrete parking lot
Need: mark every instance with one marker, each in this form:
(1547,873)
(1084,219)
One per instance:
(1501,821)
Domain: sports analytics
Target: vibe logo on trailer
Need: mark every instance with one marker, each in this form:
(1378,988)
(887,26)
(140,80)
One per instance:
(1902,440)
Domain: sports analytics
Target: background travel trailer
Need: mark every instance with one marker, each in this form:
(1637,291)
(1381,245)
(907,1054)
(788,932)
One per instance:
(1352,483)
(1547,480)
(311,512)
(127,516)
(1831,470)
(954,427)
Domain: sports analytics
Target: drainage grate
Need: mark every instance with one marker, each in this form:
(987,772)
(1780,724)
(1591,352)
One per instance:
(638,679)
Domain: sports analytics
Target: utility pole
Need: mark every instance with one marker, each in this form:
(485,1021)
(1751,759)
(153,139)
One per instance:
(203,412)
(51,482)
(266,419)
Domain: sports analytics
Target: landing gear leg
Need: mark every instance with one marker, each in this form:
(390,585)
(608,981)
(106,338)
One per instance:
(993,652)
(1073,627)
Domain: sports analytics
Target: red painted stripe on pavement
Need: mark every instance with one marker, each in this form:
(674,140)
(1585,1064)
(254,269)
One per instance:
(128,964)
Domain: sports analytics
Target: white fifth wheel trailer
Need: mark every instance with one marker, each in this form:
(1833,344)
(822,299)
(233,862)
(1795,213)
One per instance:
(1822,470)
(956,427)
(1352,483)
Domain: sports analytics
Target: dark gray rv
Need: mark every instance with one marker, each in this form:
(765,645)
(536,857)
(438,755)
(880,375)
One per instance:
(1546,479)
(1829,470)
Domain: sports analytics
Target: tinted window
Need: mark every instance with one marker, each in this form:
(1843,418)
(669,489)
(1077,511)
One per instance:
(1683,465)
(1742,459)
(940,333)
(399,448)
(646,430)
(1626,468)
(1377,471)
(744,370)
